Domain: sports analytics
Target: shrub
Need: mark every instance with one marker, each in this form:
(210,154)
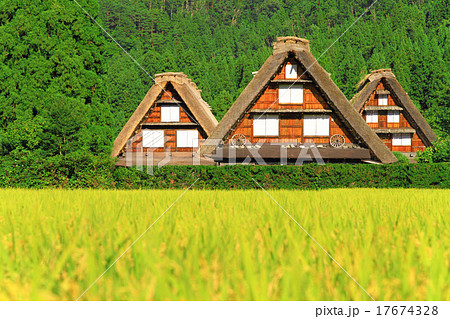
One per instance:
(438,153)
(402,159)
(84,171)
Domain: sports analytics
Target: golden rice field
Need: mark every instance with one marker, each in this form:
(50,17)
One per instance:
(225,245)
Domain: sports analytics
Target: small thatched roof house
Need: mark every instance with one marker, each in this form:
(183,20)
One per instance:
(389,111)
(293,100)
(172,116)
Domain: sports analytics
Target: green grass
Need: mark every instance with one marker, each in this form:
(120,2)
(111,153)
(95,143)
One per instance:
(225,245)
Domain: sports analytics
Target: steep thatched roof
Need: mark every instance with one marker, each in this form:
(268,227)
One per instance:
(368,85)
(299,48)
(188,92)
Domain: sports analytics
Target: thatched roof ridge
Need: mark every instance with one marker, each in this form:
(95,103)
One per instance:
(368,86)
(375,75)
(290,45)
(189,93)
(176,77)
(284,44)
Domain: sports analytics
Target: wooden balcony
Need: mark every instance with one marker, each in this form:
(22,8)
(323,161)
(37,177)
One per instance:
(291,81)
(394,130)
(161,125)
(161,158)
(169,101)
(298,110)
(276,152)
(383,108)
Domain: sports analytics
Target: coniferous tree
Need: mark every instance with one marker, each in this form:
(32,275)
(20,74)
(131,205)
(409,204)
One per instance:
(56,63)
(52,84)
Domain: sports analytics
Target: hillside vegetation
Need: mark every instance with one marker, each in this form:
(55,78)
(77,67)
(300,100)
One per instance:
(67,88)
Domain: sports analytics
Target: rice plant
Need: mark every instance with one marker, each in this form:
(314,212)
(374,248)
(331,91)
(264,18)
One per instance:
(225,245)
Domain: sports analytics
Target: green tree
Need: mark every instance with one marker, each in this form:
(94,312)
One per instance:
(52,80)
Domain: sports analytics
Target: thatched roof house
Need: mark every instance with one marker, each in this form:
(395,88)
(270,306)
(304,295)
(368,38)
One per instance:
(317,108)
(389,111)
(172,116)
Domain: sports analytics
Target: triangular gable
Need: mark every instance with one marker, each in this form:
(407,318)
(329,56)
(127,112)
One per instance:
(370,83)
(188,92)
(284,49)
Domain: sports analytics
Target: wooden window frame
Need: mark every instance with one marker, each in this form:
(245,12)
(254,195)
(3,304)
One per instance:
(391,115)
(371,115)
(194,141)
(308,117)
(402,137)
(384,98)
(290,67)
(264,118)
(151,144)
(169,118)
(290,89)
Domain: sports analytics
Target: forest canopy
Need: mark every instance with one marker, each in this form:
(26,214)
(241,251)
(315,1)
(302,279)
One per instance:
(67,88)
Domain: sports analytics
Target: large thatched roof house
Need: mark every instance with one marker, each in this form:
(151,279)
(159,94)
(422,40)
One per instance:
(292,107)
(171,117)
(389,111)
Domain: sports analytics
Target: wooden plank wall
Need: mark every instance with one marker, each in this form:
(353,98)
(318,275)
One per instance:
(416,143)
(171,137)
(154,116)
(290,125)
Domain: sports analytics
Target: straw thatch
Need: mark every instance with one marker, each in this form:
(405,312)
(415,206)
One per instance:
(189,93)
(368,85)
(299,48)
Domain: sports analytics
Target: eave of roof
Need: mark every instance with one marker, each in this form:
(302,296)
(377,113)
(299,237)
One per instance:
(354,122)
(369,85)
(188,92)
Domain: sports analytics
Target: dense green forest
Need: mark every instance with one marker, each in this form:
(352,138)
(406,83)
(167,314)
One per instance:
(66,88)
